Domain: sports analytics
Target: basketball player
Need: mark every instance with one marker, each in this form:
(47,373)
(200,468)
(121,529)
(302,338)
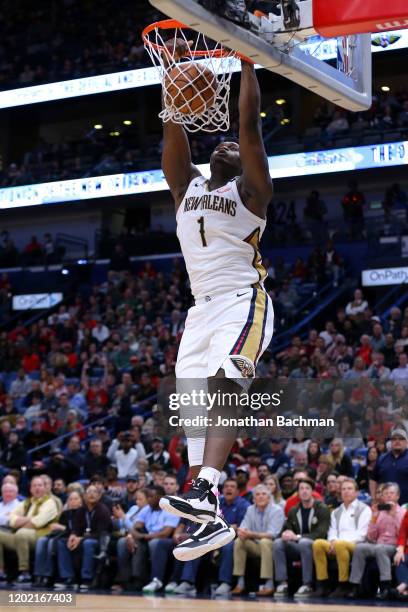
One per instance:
(219,224)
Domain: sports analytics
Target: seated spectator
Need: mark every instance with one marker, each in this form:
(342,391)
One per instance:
(59,489)
(14,455)
(242,475)
(159,456)
(306,522)
(348,527)
(349,433)
(95,461)
(123,520)
(21,386)
(45,548)
(323,471)
(357,371)
(128,498)
(400,374)
(365,471)
(288,298)
(74,455)
(276,459)
(338,124)
(332,497)
(9,502)
(357,305)
(261,525)
(377,369)
(392,466)
(273,485)
(152,524)
(339,459)
(313,454)
(293,500)
(382,537)
(122,454)
(303,371)
(91,526)
(31,519)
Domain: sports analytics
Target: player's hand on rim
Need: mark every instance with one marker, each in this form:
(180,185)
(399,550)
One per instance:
(176,48)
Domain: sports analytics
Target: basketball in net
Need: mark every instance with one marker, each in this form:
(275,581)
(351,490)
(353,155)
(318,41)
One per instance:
(191,88)
(196,83)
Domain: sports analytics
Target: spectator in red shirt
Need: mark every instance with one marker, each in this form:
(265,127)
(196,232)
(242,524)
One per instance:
(365,349)
(31,361)
(51,424)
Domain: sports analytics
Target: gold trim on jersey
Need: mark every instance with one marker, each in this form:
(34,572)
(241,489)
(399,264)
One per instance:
(254,239)
(250,340)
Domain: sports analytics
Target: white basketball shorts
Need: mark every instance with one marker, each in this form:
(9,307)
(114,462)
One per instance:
(228,331)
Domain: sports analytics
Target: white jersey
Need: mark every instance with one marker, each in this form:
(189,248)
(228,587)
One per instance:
(219,239)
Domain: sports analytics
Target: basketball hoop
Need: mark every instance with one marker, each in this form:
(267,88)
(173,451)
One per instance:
(213,64)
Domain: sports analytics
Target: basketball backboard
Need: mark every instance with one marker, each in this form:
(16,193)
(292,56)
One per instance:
(275,42)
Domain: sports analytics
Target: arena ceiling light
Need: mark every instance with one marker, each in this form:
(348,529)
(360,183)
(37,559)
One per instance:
(385,88)
(98,126)
(127,122)
(263,115)
(280,101)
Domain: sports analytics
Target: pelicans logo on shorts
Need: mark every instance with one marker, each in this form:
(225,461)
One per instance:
(244,365)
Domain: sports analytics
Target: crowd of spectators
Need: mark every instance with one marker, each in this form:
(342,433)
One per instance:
(119,147)
(54,41)
(389,111)
(86,451)
(35,252)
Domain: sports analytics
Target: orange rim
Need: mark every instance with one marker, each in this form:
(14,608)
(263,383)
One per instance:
(173,24)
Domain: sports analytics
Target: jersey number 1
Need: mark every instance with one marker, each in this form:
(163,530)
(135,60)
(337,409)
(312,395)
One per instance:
(200,221)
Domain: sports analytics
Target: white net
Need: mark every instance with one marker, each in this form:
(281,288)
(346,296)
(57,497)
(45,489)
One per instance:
(196,87)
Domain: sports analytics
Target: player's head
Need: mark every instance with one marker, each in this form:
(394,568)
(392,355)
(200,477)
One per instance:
(225,159)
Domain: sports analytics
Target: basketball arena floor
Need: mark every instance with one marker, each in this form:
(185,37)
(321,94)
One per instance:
(136,603)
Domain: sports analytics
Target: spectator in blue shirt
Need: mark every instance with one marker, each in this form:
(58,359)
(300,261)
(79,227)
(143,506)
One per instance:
(277,461)
(393,466)
(152,525)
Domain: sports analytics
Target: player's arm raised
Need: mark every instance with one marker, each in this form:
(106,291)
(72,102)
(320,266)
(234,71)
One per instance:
(177,164)
(255,184)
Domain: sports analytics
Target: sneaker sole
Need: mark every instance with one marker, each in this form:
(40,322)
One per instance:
(219,540)
(185,510)
(192,592)
(281,594)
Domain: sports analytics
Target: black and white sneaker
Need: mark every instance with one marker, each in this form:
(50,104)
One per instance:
(199,504)
(208,537)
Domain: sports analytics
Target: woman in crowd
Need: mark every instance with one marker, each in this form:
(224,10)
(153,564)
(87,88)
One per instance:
(45,549)
(364,473)
(338,458)
(273,485)
(323,471)
(349,433)
(298,444)
(122,523)
(313,454)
